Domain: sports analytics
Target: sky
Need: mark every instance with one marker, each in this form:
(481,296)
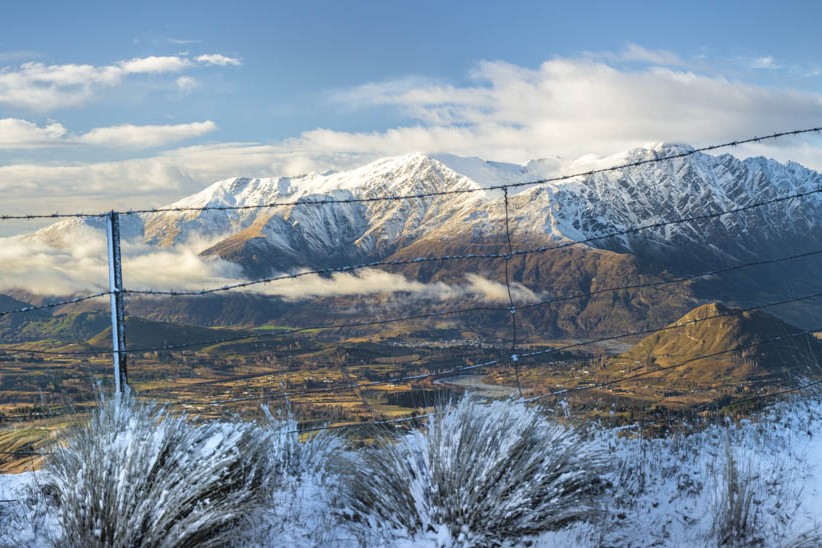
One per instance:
(113,105)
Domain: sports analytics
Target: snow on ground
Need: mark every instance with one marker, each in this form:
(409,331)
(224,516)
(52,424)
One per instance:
(659,492)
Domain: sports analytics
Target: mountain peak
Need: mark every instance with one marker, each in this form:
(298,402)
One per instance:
(658,150)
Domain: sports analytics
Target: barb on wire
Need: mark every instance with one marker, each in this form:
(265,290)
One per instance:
(38,216)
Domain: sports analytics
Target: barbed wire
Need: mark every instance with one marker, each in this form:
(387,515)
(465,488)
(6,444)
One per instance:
(40,216)
(292,331)
(507,257)
(541,303)
(469,256)
(56,304)
(605,384)
(347,325)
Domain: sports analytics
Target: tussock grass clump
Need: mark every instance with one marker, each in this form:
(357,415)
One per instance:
(135,476)
(304,485)
(480,474)
(737,519)
(292,457)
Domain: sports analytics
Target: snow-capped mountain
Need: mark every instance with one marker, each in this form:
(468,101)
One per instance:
(303,233)
(575,209)
(450,207)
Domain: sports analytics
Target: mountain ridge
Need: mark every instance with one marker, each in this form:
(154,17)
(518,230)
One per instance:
(446,213)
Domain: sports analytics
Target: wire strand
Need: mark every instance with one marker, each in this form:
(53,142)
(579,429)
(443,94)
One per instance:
(470,256)
(541,303)
(57,304)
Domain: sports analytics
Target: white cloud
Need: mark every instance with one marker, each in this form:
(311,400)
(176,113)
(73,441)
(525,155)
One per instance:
(18,55)
(182,41)
(106,181)
(763,63)
(186,84)
(77,262)
(45,269)
(43,88)
(131,136)
(218,59)
(634,53)
(17,133)
(567,107)
(154,65)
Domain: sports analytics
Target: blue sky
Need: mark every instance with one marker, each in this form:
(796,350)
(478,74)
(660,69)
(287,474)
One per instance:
(108,104)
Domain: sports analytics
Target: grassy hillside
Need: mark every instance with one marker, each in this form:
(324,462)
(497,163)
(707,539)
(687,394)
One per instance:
(712,329)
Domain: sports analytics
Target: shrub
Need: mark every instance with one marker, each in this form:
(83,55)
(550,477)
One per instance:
(737,520)
(304,488)
(479,474)
(292,457)
(136,476)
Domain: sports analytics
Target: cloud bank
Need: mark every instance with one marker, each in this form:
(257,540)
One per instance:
(569,107)
(16,133)
(41,87)
(76,263)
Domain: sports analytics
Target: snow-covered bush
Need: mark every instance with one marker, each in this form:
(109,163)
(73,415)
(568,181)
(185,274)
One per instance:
(293,457)
(136,476)
(480,473)
(304,485)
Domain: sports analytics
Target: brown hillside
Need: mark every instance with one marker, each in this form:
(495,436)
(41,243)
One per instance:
(712,329)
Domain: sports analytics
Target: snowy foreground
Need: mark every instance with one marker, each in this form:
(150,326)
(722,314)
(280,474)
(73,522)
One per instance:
(478,474)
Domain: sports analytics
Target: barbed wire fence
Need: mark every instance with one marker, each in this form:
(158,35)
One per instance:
(512,354)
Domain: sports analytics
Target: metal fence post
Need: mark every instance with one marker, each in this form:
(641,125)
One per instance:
(118,327)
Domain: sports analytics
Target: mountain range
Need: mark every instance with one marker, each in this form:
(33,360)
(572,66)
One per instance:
(454,206)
